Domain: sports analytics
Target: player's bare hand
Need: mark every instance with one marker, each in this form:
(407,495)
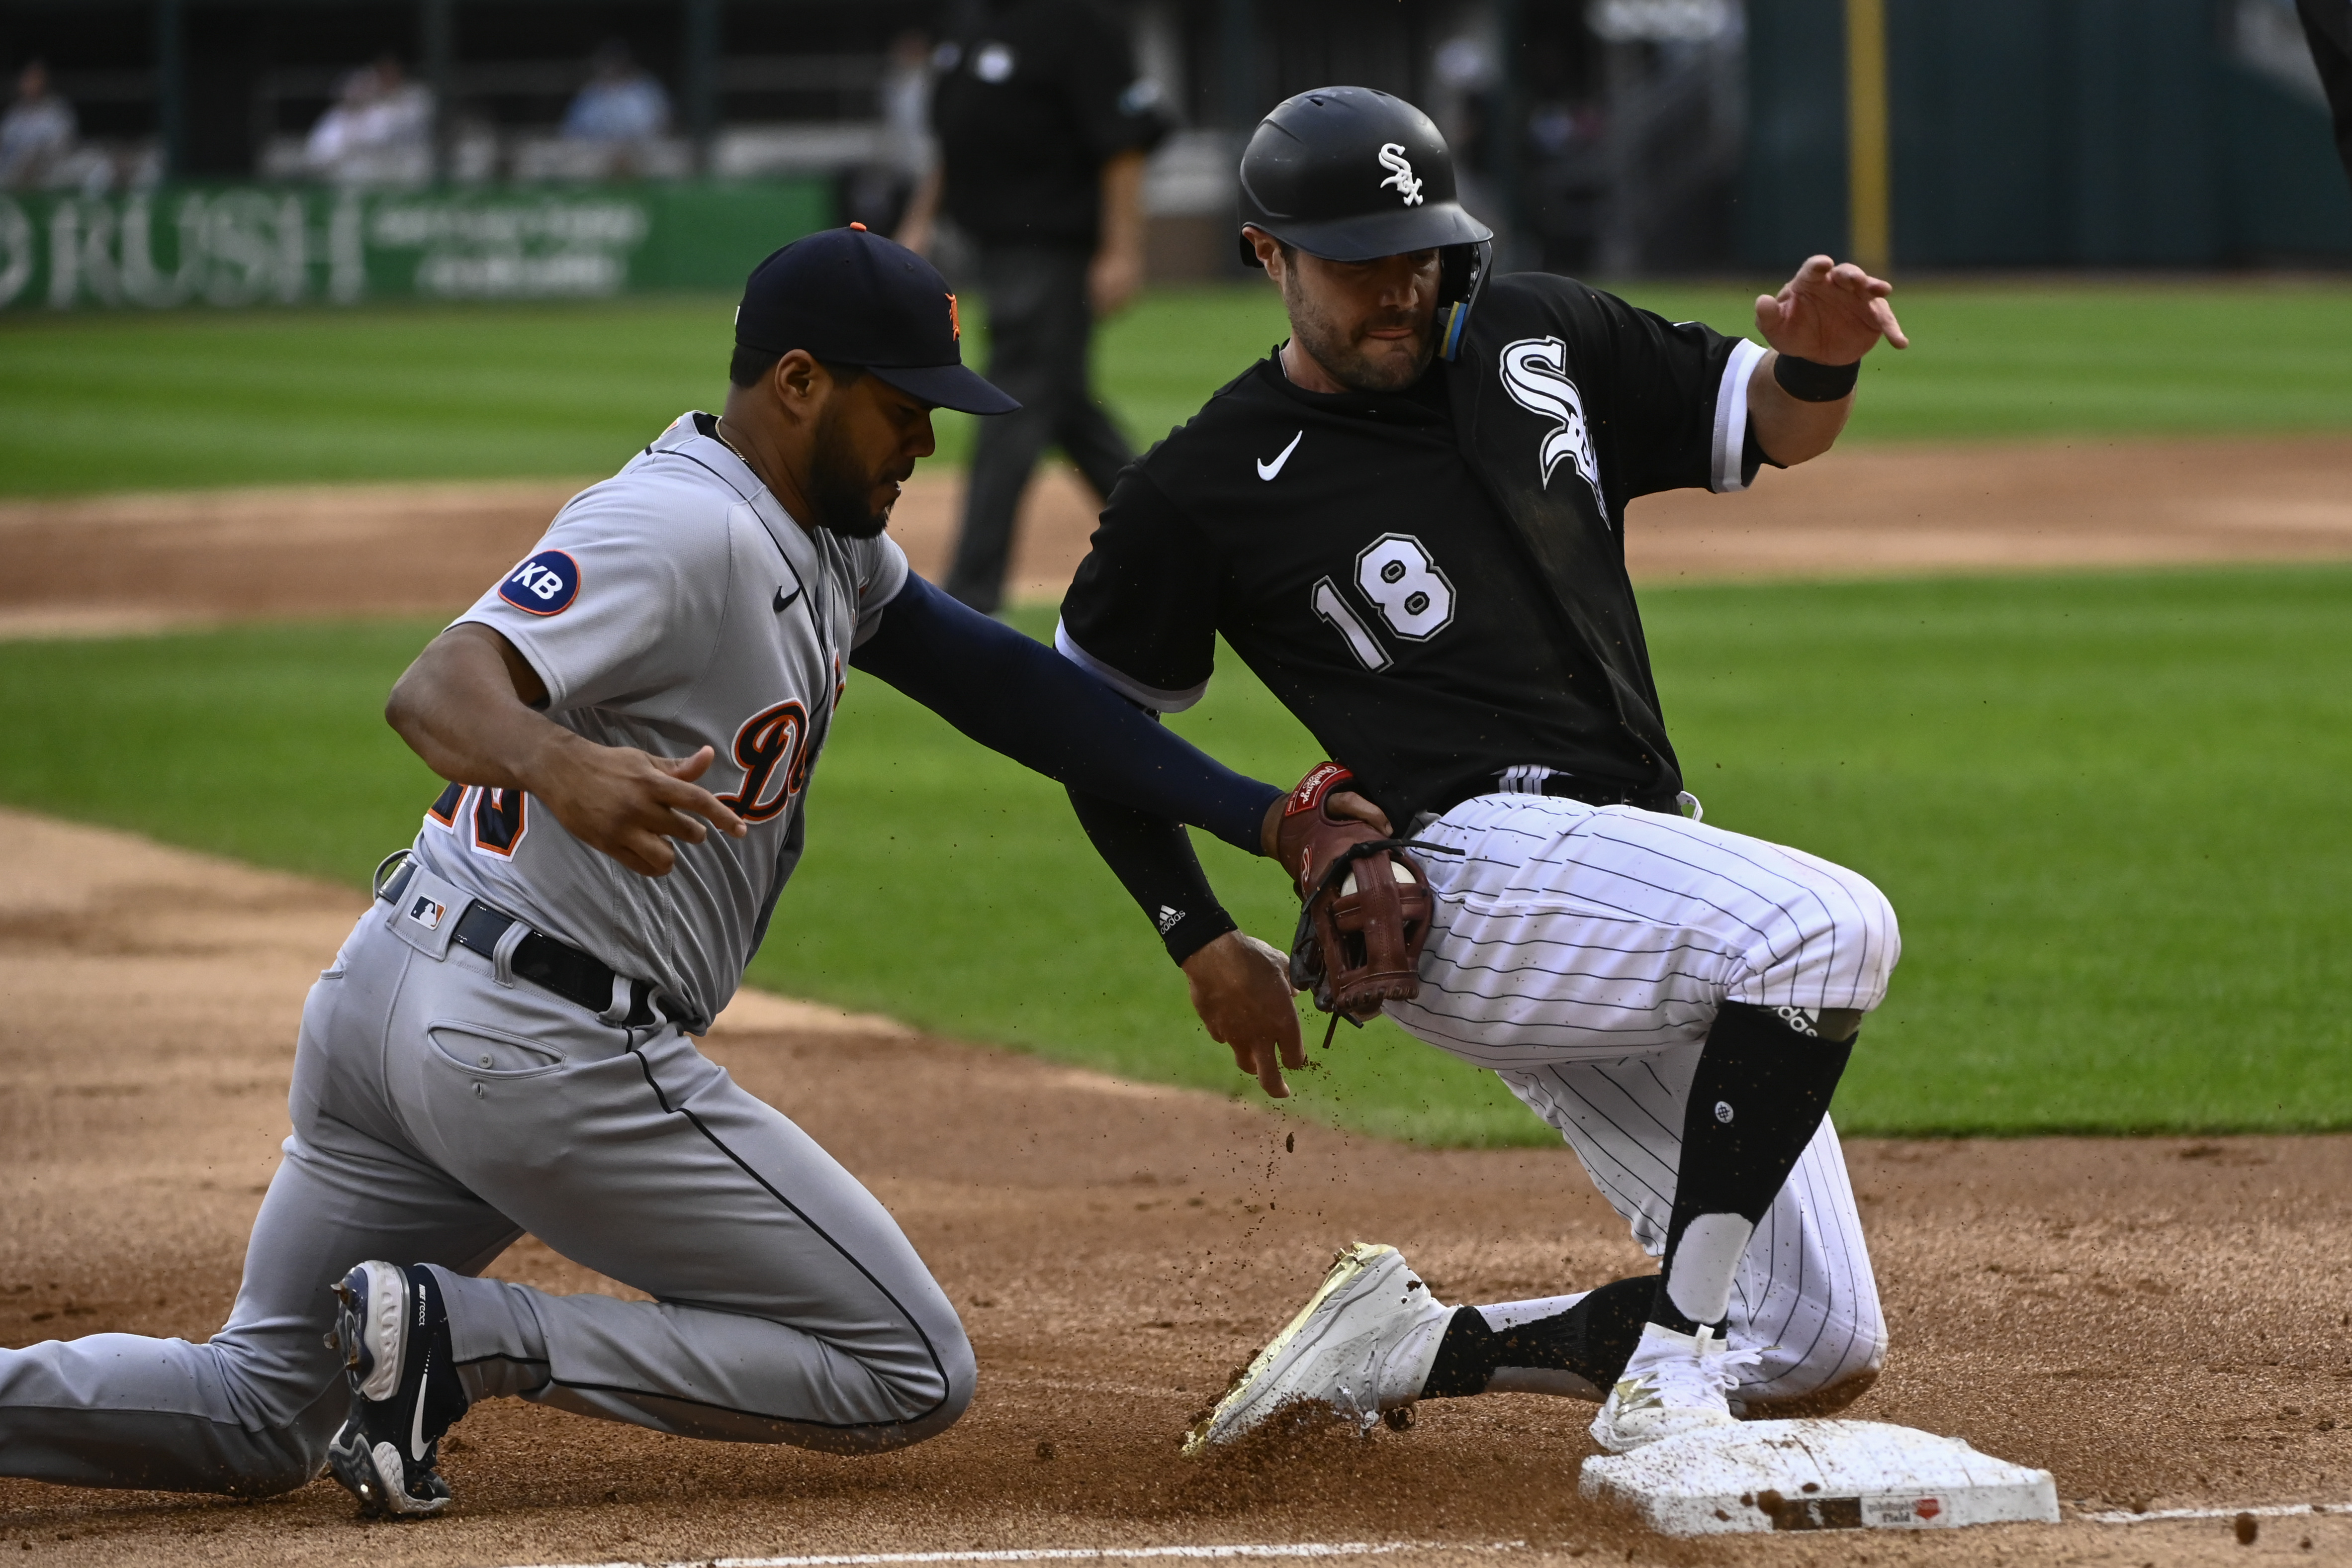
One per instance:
(1831,313)
(1241,989)
(631,804)
(1345,804)
(1113,280)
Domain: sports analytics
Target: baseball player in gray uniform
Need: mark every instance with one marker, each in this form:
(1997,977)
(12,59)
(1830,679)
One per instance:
(505,1041)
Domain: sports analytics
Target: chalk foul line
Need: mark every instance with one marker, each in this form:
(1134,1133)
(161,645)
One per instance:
(1318,1548)
(1076,1554)
(2265,1511)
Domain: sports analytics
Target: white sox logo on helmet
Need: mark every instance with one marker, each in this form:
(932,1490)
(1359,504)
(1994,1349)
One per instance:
(1535,374)
(1392,158)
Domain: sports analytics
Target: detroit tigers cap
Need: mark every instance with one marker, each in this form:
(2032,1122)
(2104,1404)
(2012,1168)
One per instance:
(854,297)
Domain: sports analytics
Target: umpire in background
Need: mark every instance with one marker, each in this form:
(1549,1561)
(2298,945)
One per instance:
(1042,127)
(2328,25)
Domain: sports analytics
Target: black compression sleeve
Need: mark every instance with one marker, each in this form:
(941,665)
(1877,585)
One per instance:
(1019,696)
(1154,861)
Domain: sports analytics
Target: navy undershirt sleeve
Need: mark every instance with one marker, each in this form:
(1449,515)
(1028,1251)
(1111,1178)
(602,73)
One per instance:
(1019,696)
(1152,859)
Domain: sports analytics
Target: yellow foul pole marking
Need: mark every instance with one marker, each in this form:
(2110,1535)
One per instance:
(1868,172)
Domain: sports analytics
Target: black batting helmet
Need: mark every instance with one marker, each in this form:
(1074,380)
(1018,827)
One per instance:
(1348,174)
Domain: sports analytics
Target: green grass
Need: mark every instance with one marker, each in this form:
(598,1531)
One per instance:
(1991,360)
(267,743)
(100,402)
(2104,805)
(104,402)
(110,402)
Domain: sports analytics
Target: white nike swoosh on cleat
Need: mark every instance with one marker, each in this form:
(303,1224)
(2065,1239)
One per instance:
(1268,470)
(416,1428)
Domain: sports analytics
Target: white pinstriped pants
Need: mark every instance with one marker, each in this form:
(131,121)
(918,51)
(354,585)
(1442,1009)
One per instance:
(1581,952)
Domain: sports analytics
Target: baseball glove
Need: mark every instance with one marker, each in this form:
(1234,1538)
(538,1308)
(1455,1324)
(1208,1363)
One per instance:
(1365,904)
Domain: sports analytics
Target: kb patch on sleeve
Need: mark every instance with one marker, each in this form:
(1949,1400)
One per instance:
(545,585)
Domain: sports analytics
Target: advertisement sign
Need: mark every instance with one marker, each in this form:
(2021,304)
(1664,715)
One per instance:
(255,245)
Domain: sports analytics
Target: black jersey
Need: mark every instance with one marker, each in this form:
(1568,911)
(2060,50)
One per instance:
(1434,581)
(1034,99)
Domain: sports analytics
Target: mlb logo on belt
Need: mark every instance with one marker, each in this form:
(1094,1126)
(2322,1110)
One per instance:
(543,585)
(427,911)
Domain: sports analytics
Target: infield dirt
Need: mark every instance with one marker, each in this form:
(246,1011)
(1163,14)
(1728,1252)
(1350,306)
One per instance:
(2163,1323)
(2160,1322)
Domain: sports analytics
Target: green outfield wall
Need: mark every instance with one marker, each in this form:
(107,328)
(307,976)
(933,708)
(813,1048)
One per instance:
(234,245)
(2044,134)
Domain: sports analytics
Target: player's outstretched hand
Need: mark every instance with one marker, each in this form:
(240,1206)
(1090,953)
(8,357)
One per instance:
(1241,989)
(1831,313)
(631,804)
(1345,804)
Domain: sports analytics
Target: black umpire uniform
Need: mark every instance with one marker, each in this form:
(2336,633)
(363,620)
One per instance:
(1037,97)
(2327,23)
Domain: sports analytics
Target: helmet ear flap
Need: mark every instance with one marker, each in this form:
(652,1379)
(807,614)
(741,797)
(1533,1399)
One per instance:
(1460,277)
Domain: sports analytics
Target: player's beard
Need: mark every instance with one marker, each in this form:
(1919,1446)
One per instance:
(839,492)
(1340,350)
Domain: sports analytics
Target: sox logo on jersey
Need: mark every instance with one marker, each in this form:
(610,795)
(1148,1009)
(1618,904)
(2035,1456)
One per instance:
(1535,374)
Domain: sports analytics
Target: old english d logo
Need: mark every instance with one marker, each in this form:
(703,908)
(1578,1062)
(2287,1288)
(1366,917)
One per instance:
(772,750)
(955,326)
(1535,374)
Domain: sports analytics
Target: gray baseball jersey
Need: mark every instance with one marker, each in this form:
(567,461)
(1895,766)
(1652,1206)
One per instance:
(439,1108)
(673,606)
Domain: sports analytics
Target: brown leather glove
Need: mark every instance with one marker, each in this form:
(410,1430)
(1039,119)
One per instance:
(1365,903)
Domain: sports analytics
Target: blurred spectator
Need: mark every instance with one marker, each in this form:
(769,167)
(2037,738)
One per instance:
(877,193)
(622,102)
(38,133)
(380,131)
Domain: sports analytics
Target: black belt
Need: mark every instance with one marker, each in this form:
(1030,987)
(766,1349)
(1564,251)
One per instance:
(1563,786)
(546,962)
(1569,788)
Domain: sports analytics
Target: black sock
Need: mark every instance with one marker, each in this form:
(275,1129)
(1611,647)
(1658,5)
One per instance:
(1763,1085)
(1591,1339)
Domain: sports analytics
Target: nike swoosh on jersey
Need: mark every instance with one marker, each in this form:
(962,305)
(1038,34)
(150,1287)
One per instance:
(784,600)
(1268,470)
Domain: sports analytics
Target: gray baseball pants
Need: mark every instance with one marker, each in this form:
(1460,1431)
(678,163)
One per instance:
(439,1114)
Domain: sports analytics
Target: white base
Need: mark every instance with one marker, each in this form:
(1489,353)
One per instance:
(1818,1475)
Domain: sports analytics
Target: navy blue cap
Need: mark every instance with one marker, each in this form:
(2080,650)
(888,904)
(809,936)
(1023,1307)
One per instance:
(854,297)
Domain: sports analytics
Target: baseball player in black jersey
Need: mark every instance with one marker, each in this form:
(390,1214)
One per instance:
(1409,522)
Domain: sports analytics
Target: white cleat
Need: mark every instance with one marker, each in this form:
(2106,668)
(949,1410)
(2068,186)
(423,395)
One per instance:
(1363,1343)
(1673,1383)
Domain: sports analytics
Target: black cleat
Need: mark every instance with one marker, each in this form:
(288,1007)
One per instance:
(394,1337)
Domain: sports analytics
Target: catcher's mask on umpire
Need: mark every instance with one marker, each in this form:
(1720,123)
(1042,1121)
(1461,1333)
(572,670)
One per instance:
(1347,173)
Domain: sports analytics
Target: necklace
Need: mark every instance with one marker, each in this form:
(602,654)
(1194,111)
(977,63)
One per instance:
(719,428)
